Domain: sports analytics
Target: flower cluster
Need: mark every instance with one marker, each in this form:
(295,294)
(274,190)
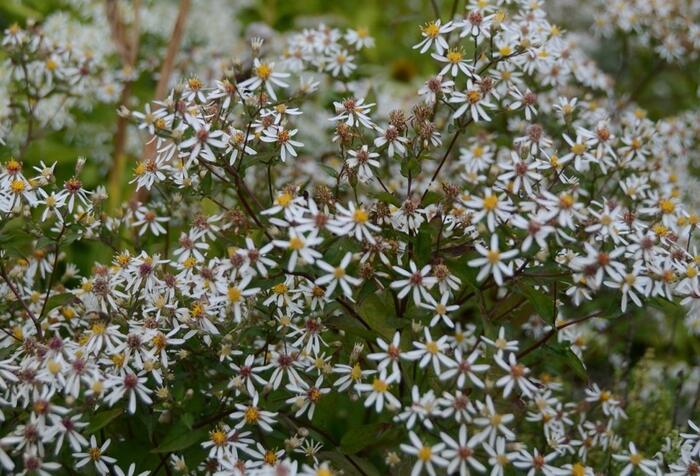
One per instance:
(44,77)
(368,291)
(670,28)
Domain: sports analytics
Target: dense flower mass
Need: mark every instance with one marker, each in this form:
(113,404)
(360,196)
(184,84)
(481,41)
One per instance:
(317,275)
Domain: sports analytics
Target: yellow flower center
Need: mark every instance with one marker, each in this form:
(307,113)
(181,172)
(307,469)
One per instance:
(190,262)
(490,202)
(251,415)
(53,366)
(218,437)
(95,453)
(17,186)
(296,243)
(140,169)
(314,394)
(360,216)
(270,457)
(195,84)
(431,30)
(425,453)
(660,229)
(97,387)
(566,200)
(159,341)
(263,71)
(123,260)
(234,294)
(118,360)
(493,256)
(280,288)
(283,199)
(667,206)
(578,149)
(454,56)
(379,385)
(473,96)
(197,310)
(578,470)
(432,347)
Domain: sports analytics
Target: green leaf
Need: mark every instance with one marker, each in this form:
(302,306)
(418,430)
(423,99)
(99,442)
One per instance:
(209,207)
(378,312)
(102,419)
(17,11)
(424,245)
(561,352)
(387,198)
(188,420)
(411,166)
(329,170)
(337,250)
(180,439)
(58,300)
(360,437)
(351,326)
(431,197)
(44,242)
(466,274)
(206,184)
(349,464)
(541,302)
